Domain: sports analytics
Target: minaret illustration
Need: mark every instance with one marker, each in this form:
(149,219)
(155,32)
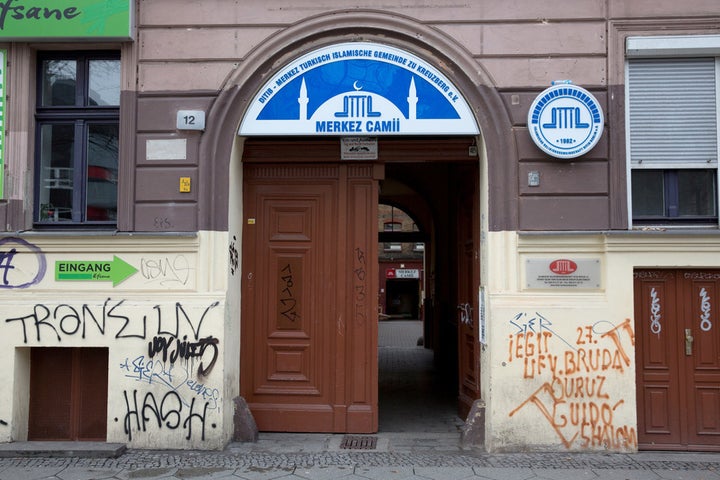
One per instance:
(412,100)
(303,100)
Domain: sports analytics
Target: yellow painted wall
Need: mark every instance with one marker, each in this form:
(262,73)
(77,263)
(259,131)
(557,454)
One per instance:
(559,366)
(174,303)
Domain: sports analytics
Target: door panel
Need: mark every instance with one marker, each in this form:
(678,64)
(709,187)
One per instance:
(703,361)
(360,343)
(678,359)
(288,359)
(656,352)
(91,384)
(68,394)
(468,274)
(50,394)
(307,322)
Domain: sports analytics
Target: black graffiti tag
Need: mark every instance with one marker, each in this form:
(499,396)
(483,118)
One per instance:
(174,349)
(170,413)
(11,277)
(70,320)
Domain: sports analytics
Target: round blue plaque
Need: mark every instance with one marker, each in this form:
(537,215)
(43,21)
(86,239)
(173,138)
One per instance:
(565,121)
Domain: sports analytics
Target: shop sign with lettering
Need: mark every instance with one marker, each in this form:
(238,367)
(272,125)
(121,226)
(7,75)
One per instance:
(66,19)
(402,273)
(359,89)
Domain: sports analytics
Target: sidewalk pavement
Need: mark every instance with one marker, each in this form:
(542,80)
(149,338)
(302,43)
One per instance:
(397,456)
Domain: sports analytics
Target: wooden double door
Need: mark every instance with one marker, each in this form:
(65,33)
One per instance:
(68,393)
(678,359)
(309,296)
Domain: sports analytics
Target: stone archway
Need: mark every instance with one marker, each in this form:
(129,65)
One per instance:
(221,146)
(222,149)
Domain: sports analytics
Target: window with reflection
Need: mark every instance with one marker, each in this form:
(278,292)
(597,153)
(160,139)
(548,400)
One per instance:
(77,138)
(674,194)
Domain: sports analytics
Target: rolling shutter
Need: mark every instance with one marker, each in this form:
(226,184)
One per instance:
(673,112)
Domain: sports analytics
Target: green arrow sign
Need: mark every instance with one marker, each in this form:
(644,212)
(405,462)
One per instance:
(115,271)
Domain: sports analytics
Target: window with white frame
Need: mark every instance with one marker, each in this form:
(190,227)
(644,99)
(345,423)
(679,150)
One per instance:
(672,119)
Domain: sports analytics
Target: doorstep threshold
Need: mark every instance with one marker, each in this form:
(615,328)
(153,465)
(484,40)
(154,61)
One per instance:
(62,449)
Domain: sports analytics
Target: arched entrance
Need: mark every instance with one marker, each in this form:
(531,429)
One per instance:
(309,357)
(331,385)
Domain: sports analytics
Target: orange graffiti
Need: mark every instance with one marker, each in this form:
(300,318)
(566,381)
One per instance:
(615,336)
(533,349)
(574,399)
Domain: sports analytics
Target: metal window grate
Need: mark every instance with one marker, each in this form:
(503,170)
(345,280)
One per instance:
(358,442)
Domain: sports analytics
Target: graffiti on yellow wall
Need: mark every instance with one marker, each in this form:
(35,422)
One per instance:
(574,396)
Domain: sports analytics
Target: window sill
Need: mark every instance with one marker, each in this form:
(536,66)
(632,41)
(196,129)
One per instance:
(649,230)
(79,232)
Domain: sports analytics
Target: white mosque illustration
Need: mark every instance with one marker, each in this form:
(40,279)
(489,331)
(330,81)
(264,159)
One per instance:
(358,104)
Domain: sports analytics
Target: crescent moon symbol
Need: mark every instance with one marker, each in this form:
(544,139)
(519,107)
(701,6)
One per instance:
(355,86)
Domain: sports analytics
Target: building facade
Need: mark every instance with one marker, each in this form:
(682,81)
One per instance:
(190,215)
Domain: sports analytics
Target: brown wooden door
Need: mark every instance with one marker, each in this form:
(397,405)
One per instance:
(678,359)
(468,274)
(68,394)
(309,323)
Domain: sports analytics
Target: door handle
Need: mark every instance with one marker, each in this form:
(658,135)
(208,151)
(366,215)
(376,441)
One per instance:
(688,341)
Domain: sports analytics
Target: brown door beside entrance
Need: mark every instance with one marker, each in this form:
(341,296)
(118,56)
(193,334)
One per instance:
(309,322)
(678,359)
(468,273)
(68,394)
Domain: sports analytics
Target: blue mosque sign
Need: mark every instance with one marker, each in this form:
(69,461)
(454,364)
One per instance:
(565,121)
(359,89)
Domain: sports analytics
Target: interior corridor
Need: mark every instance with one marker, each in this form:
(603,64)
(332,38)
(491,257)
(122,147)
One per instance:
(414,396)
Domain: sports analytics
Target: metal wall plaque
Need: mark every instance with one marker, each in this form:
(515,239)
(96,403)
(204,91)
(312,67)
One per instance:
(358,148)
(565,121)
(563,273)
(190,120)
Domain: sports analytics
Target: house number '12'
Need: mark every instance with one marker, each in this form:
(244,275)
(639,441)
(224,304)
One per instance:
(190,120)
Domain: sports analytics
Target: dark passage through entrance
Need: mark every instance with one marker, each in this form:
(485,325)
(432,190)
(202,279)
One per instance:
(414,395)
(428,386)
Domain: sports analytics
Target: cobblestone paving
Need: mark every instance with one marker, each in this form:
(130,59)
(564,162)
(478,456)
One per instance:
(399,333)
(468,464)
(471,457)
